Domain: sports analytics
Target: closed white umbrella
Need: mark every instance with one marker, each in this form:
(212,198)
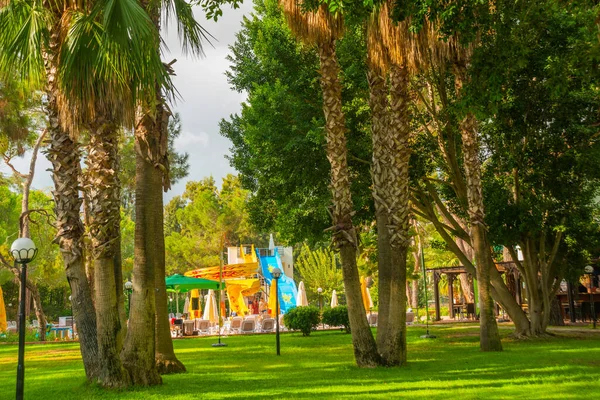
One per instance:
(186,305)
(301,300)
(211,312)
(271,243)
(334,300)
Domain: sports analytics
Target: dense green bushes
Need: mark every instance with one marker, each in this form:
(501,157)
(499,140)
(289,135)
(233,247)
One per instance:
(337,316)
(304,319)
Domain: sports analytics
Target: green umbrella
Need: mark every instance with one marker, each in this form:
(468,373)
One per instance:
(181,284)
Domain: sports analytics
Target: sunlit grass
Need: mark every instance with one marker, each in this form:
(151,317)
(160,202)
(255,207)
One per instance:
(563,367)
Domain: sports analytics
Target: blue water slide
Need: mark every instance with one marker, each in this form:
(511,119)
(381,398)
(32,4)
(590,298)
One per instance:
(268,260)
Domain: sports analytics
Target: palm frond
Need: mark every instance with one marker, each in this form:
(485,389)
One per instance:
(191,33)
(109,61)
(23,33)
(312,26)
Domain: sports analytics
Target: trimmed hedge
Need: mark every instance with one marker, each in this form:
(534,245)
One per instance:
(337,316)
(304,319)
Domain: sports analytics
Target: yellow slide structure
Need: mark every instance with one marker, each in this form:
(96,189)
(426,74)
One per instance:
(237,289)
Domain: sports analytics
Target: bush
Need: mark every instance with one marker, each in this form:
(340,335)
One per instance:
(303,319)
(337,316)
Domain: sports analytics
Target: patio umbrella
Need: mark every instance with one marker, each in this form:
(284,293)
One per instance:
(334,300)
(272,297)
(186,305)
(366,295)
(271,243)
(3,324)
(301,299)
(210,309)
(182,284)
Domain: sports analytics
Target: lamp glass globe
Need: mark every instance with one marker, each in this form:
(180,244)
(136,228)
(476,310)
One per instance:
(23,250)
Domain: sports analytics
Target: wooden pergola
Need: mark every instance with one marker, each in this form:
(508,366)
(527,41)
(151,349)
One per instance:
(506,267)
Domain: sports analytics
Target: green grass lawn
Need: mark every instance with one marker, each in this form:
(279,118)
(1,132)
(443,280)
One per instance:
(321,366)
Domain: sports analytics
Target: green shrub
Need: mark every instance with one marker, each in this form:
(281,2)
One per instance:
(337,316)
(303,319)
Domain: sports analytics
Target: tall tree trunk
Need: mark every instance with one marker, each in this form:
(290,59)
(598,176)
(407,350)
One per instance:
(139,352)
(344,234)
(64,155)
(166,361)
(393,351)
(380,169)
(104,206)
(490,337)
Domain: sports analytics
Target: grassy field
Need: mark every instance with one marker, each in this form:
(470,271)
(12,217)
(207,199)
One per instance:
(566,366)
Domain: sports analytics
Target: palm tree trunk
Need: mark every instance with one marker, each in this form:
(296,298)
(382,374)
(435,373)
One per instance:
(490,337)
(166,361)
(64,155)
(381,157)
(344,234)
(102,188)
(394,349)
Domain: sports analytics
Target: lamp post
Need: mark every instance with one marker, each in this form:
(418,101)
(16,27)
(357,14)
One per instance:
(23,250)
(128,289)
(427,335)
(590,270)
(220,344)
(276,275)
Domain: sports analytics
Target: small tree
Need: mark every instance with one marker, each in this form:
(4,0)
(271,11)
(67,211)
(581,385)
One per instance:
(304,319)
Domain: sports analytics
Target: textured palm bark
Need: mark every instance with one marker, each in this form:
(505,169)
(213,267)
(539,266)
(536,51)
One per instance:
(139,352)
(64,154)
(393,350)
(166,361)
(490,337)
(378,103)
(344,234)
(103,194)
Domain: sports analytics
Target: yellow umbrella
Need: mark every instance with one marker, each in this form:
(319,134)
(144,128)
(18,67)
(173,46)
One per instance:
(3,325)
(366,295)
(272,300)
(210,309)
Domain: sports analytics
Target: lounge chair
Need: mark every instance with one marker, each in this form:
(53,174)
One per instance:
(203,326)
(268,325)
(11,327)
(248,326)
(372,319)
(236,324)
(188,328)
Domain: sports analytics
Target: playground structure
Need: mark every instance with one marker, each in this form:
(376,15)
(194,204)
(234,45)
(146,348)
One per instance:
(248,275)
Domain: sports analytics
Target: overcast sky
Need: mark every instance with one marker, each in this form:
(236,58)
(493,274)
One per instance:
(205,99)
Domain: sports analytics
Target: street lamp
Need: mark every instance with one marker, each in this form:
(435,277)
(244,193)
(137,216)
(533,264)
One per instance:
(128,289)
(590,270)
(276,275)
(23,250)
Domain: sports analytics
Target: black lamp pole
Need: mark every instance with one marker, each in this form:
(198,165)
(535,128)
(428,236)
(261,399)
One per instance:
(590,270)
(427,335)
(276,275)
(23,251)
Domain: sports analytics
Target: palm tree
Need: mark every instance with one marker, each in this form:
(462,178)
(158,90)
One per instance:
(145,354)
(321,28)
(91,73)
(392,50)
